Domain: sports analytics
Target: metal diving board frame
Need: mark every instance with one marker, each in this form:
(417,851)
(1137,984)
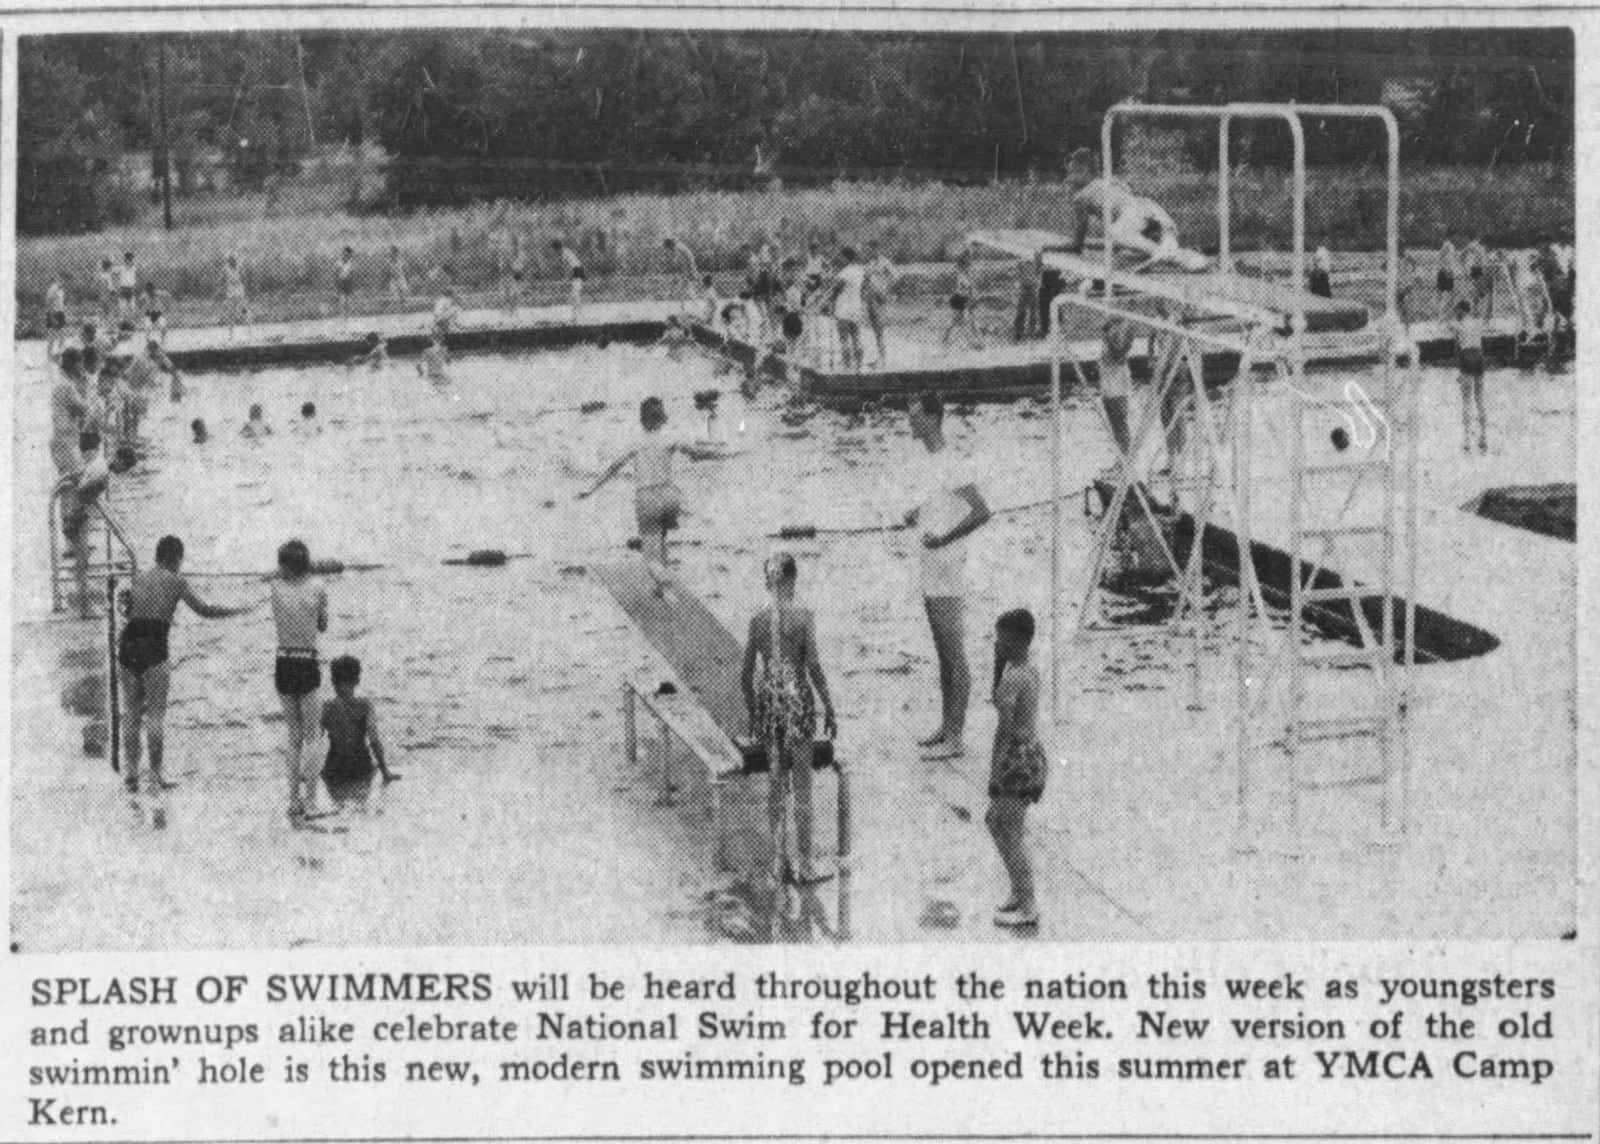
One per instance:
(1216,293)
(706,715)
(1198,441)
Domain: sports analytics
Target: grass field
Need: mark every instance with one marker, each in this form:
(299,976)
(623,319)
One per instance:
(289,243)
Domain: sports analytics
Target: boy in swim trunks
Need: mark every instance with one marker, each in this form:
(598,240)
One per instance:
(399,288)
(961,302)
(782,679)
(354,745)
(575,273)
(1467,329)
(300,612)
(1017,765)
(657,500)
(256,426)
(144,670)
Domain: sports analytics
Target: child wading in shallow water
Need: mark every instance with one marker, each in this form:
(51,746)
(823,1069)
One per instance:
(781,700)
(1017,768)
(300,611)
(355,752)
(657,500)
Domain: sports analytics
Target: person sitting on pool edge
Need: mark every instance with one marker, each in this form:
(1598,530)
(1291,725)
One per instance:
(355,749)
(657,500)
(782,680)
(150,602)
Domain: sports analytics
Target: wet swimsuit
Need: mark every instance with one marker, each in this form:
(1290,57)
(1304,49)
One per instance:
(785,709)
(1321,283)
(1019,769)
(346,721)
(296,672)
(143,645)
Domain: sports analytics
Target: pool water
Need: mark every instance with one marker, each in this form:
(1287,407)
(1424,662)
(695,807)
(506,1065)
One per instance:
(497,689)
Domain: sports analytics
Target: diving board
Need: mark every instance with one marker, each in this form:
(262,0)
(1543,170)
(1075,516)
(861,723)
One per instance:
(1257,300)
(703,654)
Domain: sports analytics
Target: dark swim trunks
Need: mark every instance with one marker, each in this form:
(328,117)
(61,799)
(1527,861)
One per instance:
(143,645)
(1470,363)
(578,274)
(296,676)
(1446,281)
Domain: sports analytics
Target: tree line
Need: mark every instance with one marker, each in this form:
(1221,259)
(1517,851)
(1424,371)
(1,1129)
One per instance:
(472,115)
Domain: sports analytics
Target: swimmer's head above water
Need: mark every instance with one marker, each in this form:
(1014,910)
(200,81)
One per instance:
(257,413)
(198,428)
(781,572)
(309,410)
(652,413)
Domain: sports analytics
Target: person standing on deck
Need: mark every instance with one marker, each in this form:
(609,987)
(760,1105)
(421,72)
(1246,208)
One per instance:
(849,309)
(108,290)
(1116,378)
(55,318)
(1319,279)
(1467,329)
(576,274)
(1018,769)
(1448,274)
(127,287)
(782,680)
(953,509)
(1030,277)
(1475,257)
(68,412)
(344,279)
(399,288)
(880,284)
(149,604)
(233,293)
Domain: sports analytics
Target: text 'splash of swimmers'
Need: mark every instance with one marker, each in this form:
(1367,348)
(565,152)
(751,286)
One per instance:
(96,1049)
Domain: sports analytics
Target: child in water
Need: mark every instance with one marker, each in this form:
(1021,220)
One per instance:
(435,362)
(355,749)
(256,427)
(1017,769)
(657,501)
(300,613)
(376,354)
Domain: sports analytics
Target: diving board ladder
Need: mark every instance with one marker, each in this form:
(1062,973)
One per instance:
(1283,696)
(116,557)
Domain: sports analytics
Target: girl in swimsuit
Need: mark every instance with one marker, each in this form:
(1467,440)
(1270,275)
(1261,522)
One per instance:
(657,500)
(575,273)
(782,679)
(1017,768)
(143,668)
(300,610)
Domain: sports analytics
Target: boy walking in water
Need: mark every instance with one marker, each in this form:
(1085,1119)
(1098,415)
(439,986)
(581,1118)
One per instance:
(354,745)
(144,669)
(300,613)
(953,509)
(657,500)
(781,700)
(1017,766)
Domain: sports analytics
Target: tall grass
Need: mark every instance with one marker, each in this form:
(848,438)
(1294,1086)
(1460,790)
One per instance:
(289,248)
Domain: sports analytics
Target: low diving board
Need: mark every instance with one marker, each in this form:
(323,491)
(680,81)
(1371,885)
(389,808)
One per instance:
(703,654)
(1260,300)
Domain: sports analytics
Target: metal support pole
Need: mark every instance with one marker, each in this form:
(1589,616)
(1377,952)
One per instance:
(1055,533)
(844,828)
(630,725)
(113,699)
(166,142)
(1224,198)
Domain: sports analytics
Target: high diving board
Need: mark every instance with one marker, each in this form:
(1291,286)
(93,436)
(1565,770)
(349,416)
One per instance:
(703,654)
(1258,300)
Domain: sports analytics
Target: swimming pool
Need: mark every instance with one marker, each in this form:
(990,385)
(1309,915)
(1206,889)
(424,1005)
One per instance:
(515,822)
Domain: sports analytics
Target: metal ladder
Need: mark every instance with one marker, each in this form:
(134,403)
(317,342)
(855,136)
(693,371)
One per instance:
(115,560)
(1322,539)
